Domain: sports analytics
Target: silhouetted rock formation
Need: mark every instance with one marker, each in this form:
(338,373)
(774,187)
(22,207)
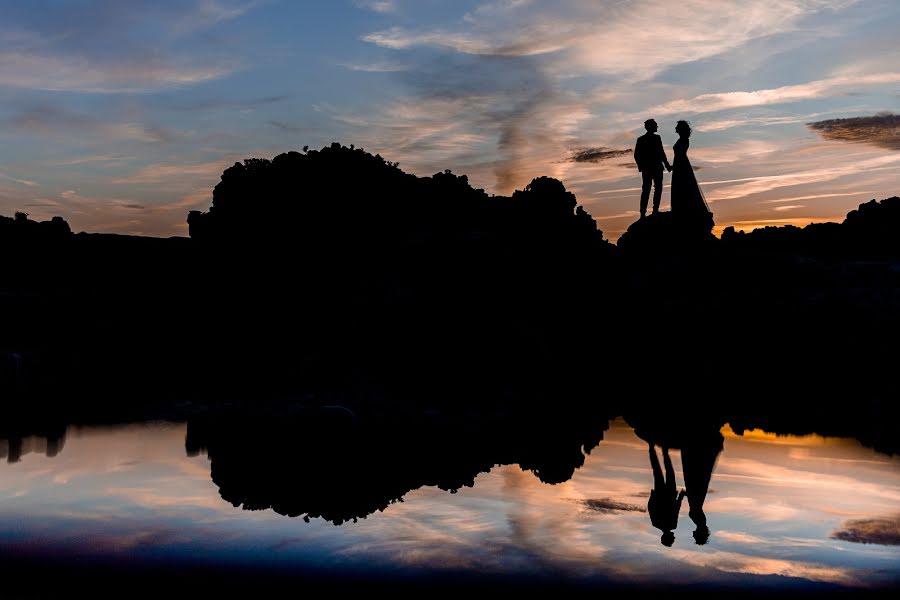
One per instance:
(869,232)
(335,277)
(664,233)
(341,260)
(348,200)
(22,230)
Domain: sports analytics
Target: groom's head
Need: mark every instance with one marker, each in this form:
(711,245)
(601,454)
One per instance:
(650,125)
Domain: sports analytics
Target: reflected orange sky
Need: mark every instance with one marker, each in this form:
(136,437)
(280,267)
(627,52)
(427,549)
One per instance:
(774,505)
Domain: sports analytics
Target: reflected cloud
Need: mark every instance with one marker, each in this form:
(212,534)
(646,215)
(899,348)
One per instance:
(732,562)
(740,538)
(884,531)
(608,506)
(132,492)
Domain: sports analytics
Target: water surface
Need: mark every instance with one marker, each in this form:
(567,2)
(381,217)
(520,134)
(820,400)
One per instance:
(783,512)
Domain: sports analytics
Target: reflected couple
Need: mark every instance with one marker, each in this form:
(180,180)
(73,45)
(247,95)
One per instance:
(699,453)
(341,468)
(665,500)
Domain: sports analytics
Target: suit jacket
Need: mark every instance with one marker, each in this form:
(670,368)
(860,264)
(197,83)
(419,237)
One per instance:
(649,153)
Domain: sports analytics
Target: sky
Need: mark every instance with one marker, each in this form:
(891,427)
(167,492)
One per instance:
(121,116)
(778,509)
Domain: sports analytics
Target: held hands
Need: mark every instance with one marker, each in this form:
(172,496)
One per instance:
(668,167)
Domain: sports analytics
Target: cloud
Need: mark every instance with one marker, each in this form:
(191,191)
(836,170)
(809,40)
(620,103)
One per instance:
(287,127)
(379,6)
(178,173)
(597,154)
(714,102)
(608,506)
(25,182)
(210,12)
(57,122)
(767,121)
(103,47)
(733,562)
(77,74)
(757,185)
(500,117)
(507,64)
(704,28)
(882,130)
(91,158)
(741,538)
(377,67)
(818,196)
(884,531)
(129,213)
(225,104)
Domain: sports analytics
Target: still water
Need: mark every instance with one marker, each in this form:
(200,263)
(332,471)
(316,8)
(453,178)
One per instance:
(782,512)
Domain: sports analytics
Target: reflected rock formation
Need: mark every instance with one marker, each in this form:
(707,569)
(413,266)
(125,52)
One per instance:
(332,465)
(46,439)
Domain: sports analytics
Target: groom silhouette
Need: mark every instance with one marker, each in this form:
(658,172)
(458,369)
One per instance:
(650,158)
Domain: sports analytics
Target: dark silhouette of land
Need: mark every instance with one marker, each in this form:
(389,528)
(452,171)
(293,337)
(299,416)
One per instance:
(331,277)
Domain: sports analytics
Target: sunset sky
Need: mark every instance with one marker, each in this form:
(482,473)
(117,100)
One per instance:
(120,116)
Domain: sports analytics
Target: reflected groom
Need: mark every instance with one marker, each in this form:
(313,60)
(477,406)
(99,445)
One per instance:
(650,158)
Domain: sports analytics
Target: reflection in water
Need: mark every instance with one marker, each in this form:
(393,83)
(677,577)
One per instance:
(47,440)
(700,442)
(698,458)
(334,467)
(665,501)
(778,506)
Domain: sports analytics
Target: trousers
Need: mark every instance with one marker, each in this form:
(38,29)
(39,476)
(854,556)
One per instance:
(655,178)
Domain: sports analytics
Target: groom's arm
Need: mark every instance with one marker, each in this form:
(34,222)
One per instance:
(662,153)
(637,154)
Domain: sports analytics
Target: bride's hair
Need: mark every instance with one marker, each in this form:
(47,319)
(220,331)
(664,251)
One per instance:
(683,126)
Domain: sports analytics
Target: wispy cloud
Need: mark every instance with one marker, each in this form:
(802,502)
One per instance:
(54,121)
(705,103)
(98,47)
(733,562)
(206,13)
(703,28)
(214,104)
(765,183)
(25,182)
(74,74)
(374,67)
(91,158)
(379,6)
(817,196)
(175,173)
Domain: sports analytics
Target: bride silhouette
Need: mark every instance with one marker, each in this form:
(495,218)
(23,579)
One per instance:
(687,198)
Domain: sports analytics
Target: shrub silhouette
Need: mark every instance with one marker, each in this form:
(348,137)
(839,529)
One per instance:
(870,231)
(347,198)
